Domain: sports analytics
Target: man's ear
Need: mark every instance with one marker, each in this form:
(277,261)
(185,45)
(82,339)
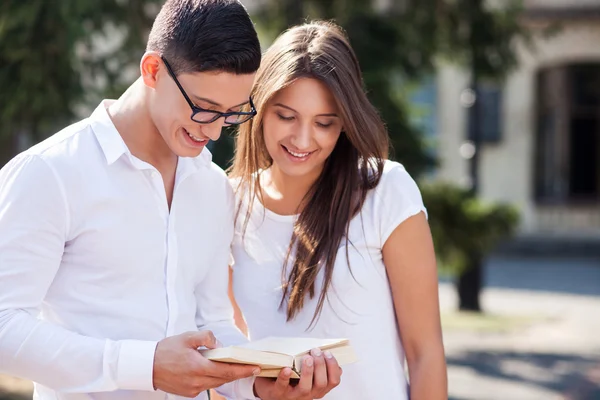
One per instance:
(149,67)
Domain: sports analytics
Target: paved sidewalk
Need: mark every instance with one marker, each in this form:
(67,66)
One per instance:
(538,341)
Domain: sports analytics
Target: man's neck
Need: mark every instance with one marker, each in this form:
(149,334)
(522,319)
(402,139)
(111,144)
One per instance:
(133,122)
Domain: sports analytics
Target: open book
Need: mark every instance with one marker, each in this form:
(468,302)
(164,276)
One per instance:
(275,353)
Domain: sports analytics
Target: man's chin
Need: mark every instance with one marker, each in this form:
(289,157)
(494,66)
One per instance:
(185,150)
(189,153)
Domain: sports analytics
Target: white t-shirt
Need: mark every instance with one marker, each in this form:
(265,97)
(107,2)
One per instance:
(359,304)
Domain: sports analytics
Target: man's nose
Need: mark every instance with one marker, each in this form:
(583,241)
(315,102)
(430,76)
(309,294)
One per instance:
(214,129)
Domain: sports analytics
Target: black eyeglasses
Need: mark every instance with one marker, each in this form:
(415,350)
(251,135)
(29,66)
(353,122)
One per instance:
(204,116)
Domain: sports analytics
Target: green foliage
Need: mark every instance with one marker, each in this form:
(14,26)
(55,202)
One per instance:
(48,68)
(483,37)
(37,54)
(222,150)
(465,228)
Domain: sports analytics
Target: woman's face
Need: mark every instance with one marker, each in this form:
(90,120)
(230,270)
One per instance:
(301,126)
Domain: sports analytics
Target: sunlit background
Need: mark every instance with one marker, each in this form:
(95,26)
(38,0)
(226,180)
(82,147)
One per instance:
(493,105)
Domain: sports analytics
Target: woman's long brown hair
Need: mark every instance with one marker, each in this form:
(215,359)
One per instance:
(318,50)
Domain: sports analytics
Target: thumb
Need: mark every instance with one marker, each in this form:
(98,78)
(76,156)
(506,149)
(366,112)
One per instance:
(283,380)
(201,338)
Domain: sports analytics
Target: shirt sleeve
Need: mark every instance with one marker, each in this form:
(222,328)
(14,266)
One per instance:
(214,309)
(34,221)
(397,197)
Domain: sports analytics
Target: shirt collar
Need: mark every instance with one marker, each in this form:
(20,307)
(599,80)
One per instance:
(114,147)
(189,165)
(204,159)
(108,137)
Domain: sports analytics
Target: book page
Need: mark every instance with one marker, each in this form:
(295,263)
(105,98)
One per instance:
(343,354)
(292,346)
(239,355)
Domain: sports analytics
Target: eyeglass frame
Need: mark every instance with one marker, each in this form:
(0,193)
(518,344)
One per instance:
(197,110)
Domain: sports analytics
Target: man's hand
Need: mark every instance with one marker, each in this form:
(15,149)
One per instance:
(320,373)
(181,370)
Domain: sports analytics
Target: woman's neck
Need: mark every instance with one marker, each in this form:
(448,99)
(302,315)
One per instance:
(283,194)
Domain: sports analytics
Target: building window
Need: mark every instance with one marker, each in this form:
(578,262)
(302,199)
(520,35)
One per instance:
(490,103)
(568,134)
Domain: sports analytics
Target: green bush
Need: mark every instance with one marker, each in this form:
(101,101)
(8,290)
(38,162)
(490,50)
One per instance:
(464,228)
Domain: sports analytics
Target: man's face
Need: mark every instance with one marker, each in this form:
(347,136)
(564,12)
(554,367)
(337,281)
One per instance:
(213,91)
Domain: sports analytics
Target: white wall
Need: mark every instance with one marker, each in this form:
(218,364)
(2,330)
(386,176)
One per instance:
(506,170)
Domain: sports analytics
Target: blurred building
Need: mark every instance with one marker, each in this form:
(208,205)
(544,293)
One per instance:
(541,128)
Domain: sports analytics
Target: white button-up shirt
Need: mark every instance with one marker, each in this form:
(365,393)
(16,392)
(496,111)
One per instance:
(95,269)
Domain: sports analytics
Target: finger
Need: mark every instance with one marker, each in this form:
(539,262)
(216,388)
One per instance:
(334,372)
(306,377)
(229,372)
(199,339)
(320,371)
(282,383)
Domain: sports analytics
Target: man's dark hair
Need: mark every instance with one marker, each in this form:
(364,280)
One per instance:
(206,35)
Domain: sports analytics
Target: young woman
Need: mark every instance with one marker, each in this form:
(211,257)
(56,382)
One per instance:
(331,237)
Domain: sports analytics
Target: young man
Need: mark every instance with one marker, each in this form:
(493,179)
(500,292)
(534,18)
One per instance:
(115,232)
